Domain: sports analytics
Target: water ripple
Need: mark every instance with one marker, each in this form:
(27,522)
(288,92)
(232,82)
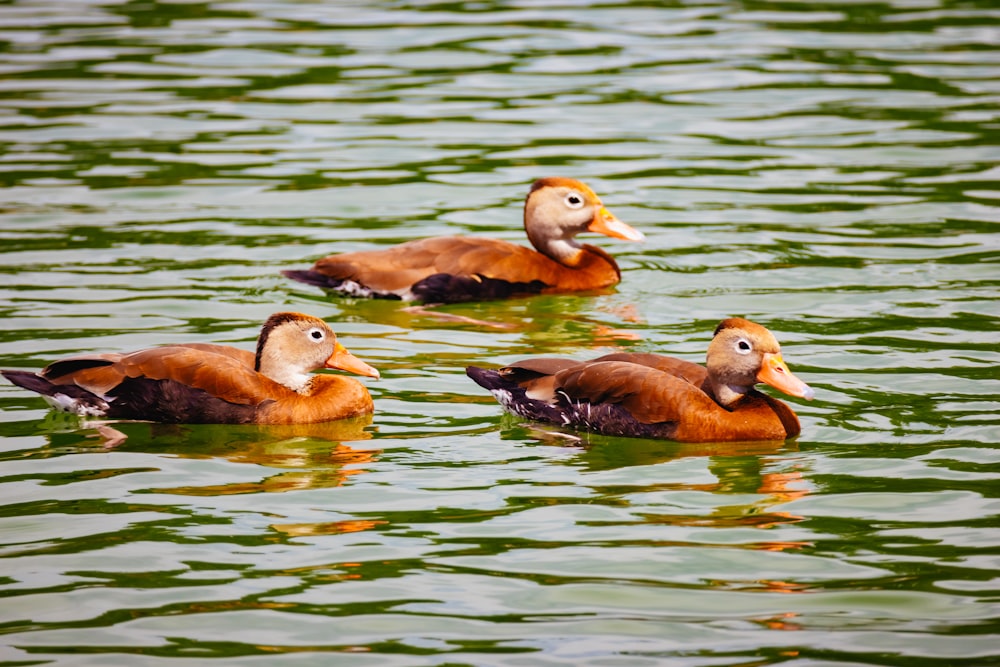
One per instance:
(826,169)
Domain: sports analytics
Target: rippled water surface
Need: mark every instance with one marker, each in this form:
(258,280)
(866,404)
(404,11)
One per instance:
(829,170)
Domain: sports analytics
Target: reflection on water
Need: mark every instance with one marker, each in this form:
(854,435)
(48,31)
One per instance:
(314,455)
(752,474)
(828,170)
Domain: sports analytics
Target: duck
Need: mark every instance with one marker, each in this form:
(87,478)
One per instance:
(648,395)
(213,384)
(455,269)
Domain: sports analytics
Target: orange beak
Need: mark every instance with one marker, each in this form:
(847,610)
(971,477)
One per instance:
(774,372)
(343,360)
(606,223)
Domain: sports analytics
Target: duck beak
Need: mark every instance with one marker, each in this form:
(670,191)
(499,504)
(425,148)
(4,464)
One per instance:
(774,372)
(606,223)
(343,360)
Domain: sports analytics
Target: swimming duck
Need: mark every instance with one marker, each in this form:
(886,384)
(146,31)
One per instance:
(214,384)
(451,269)
(653,396)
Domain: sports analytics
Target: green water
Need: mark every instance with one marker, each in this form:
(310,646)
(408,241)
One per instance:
(828,170)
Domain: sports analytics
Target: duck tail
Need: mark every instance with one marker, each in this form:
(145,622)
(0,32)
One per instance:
(486,378)
(65,397)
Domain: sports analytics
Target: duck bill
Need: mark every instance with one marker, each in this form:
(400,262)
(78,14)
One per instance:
(343,360)
(775,373)
(606,223)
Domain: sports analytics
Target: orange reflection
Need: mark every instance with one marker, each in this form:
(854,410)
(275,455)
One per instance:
(783,622)
(280,483)
(626,311)
(328,528)
(605,335)
(741,470)
(310,456)
(782,587)
(547,323)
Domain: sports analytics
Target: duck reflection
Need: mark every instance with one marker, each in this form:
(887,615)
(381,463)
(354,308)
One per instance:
(602,452)
(546,323)
(311,456)
(294,457)
(747,471)
(315,455)
(325,528)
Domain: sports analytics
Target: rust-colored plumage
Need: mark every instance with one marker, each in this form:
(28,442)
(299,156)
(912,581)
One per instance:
(450,269)
(652,396)
(205,383)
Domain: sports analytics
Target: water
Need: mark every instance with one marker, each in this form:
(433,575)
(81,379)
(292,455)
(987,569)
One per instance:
(828,170)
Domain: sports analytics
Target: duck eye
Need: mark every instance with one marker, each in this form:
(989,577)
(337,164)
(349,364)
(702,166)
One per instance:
(316,334)
(743,346)
(574,200)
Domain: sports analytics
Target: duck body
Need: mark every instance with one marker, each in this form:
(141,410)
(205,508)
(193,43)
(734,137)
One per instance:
(205,383)
(654,396)
(451,269)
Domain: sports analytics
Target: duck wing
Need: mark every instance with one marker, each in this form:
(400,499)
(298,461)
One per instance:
(648,394)
(689,371)
(222,372)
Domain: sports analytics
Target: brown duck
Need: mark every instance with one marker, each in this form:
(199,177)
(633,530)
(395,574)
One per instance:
(205,383)
(653,396)
(450,269)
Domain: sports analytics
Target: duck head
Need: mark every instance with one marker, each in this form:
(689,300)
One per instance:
(292,345)
(743,353)
(557,209)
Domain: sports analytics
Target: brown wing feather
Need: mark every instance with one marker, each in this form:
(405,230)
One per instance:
(221,371)
(689,371)
(537,375)
(221,375)
(650,395)
(247,357)
(399,267)
(77,363)
(386,270)
(540,366)
(97,373)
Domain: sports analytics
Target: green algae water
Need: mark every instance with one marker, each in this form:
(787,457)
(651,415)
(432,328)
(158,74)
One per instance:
(829,170)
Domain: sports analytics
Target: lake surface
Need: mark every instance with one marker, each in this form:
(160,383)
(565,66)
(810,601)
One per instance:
(829,170)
